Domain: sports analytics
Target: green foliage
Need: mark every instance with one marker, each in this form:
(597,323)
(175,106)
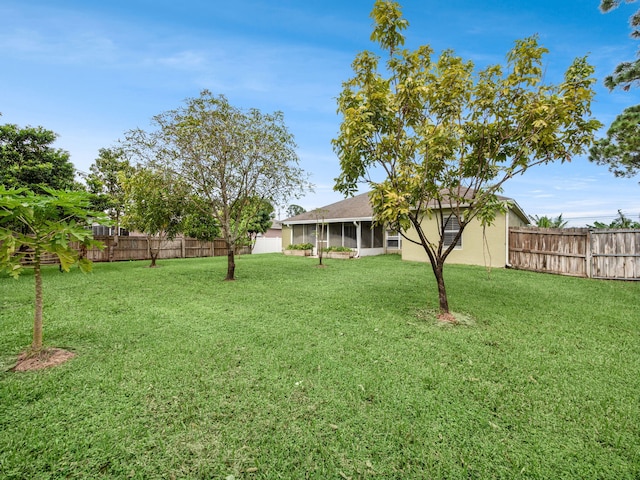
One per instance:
(337,249)
(32,225)
(621,222)
(105,185)
(27,160)
(549,222)
(156,204)
(231,159)
(295,372)
(294,210)
(625,74)
(447,137)
(620,150)
(198,223)
(300,246)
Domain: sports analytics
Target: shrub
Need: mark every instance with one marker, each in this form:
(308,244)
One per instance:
(300,246)
(337,249)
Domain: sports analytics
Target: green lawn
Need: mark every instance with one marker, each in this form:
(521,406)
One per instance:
(298,372)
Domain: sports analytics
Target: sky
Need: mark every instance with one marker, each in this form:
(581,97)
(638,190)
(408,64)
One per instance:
(90,71)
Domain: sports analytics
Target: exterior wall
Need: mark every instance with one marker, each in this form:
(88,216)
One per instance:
(484,248)
(286,236)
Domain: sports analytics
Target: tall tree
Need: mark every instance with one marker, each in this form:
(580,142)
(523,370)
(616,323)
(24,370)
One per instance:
(27,159)
(626,73)
(294,210)
(433,139)
(105,185)
(228,156)
(155,204)
(32,225)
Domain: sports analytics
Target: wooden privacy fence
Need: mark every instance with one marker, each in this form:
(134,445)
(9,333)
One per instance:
(612,254)
(121,248)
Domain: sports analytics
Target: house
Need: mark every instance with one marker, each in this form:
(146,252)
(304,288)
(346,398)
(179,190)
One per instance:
(349,223)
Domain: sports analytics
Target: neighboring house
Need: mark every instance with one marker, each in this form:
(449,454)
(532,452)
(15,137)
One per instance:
(349,223)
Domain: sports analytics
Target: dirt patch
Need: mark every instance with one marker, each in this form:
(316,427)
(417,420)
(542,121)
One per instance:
(48,357)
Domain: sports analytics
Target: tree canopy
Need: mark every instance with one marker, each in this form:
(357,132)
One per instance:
(27,159)
(549,222)
(622,221)
(32,225)
(620,149)
(228,157)
(104,182)
(155,204)
(433,139)
(625,74)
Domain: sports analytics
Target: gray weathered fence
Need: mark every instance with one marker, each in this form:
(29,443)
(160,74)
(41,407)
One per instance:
(122,248)
(608,254)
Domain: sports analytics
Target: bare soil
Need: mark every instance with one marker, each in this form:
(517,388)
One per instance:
(48,357)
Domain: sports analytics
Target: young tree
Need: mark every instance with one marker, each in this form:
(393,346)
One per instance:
(155,204)
(549,222)
(445,139)
(104,183)
(228,157)
(626,73)
(28,160)
(32,225)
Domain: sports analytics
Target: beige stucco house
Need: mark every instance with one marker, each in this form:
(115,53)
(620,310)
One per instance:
(349,223)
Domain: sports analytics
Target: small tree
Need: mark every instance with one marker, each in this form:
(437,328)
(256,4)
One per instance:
(33,225)
(433,139)
(156,203)
(105,185)
(228,157)
(259,222)
(319,214)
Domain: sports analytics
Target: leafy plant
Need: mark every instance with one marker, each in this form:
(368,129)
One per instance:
(300,246)
(32,225)
(337,249)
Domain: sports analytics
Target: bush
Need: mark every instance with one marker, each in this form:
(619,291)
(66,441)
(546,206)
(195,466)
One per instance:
(337,249)
(300,246)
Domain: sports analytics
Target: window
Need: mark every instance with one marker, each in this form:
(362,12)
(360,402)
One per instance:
(451,229)
(393,240)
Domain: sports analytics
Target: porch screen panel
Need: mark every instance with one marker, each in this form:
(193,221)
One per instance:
(298,234)
(366,235)
(335,234)
(310,233)
(349,235)
(378,236)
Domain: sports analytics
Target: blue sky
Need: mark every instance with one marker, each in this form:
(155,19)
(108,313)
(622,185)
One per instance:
(90,71)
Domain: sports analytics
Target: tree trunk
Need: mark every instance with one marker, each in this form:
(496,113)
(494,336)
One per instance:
(438,271)
(36,345)
(231,264)
(154,256)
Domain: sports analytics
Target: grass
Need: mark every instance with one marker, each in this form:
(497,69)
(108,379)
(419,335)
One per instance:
(298,372)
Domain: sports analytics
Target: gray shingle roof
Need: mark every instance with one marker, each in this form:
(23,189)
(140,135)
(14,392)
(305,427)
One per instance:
(357,207)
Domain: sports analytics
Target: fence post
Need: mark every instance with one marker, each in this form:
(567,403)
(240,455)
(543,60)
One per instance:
(182,246)
(588,254)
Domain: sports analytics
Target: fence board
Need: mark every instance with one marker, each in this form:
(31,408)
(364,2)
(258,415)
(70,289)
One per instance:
(123,248)
(606,254)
